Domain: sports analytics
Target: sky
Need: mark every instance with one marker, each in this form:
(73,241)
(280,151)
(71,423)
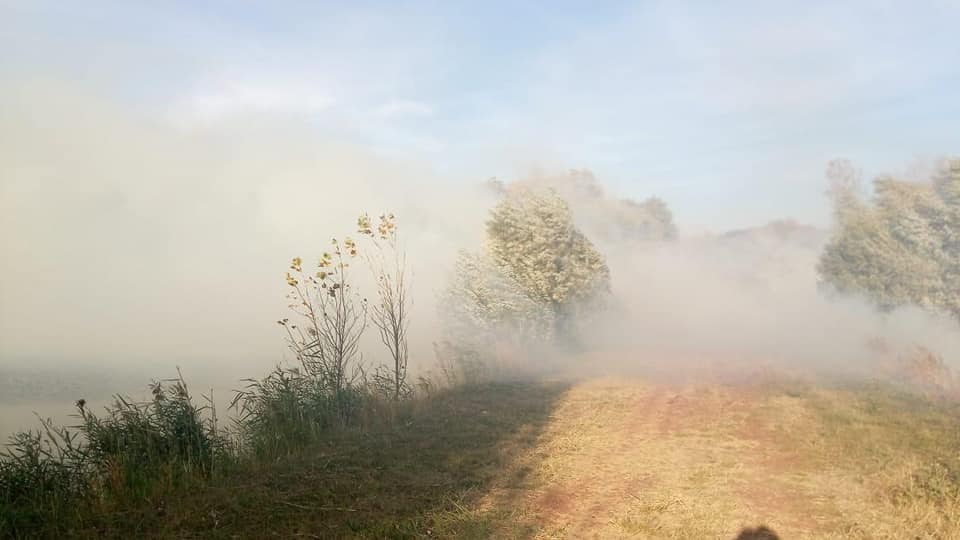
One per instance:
(729,111)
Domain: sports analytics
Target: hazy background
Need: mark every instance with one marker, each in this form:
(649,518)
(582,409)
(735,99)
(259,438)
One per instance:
(159,165)
(728,111)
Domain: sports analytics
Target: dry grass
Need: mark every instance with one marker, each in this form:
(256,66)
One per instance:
(627,459)
(608,458)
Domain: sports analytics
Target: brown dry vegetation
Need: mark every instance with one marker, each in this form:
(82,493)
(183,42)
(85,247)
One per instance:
(604,458)
(628,459)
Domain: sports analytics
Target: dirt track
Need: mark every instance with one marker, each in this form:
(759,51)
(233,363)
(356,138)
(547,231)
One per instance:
(627,459)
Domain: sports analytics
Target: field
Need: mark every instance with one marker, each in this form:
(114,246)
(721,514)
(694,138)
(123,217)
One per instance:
(599,458)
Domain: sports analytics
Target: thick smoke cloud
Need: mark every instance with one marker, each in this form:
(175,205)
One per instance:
(749,300)
(131,244)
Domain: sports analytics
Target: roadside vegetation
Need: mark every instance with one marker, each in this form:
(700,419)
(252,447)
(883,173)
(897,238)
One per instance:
(89,477)
(118,472)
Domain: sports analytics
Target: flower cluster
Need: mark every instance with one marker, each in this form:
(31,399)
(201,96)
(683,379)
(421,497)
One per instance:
(385,230)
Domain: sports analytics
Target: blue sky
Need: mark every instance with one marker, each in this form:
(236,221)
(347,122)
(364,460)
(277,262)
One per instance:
(729,111)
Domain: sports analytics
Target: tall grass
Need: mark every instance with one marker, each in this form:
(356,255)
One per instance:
(291,408)
(53,478)
(43,477)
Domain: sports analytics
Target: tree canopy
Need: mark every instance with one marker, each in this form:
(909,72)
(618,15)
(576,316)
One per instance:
(535,272)
(532,238)
(901,248)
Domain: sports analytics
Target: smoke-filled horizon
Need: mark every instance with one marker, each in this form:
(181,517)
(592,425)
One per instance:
(127,242)
(728,118)
(501,262)
(131,245)
(159,166)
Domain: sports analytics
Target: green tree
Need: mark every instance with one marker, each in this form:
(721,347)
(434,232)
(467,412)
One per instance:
(532,239)
(601,215)
(904,248)
(482,304)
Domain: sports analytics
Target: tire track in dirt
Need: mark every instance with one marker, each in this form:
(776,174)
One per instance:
(623,458)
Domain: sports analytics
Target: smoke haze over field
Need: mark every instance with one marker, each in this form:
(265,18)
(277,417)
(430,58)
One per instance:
(462,269)
(133,245)
(130,243)
(730,119)
(157,172)
(750,299)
